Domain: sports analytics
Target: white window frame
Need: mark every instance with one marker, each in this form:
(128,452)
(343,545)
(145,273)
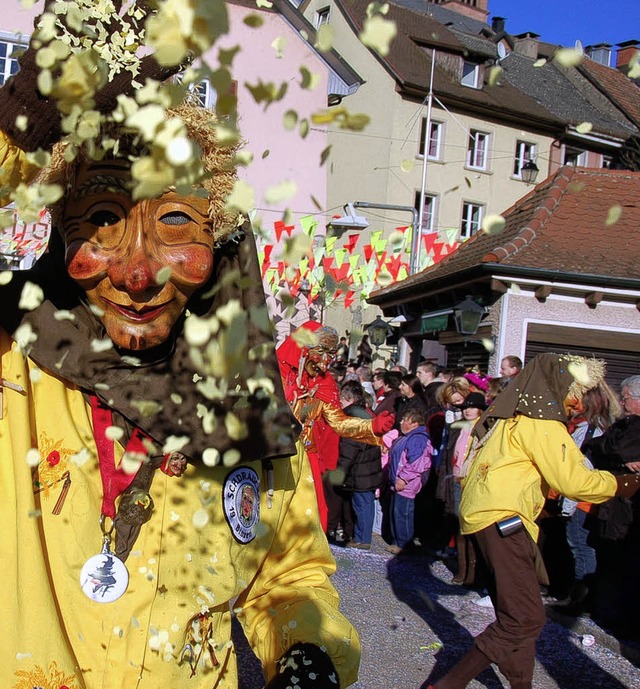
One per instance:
(429,211)
(581,157)
(478,150)
(322,16)
(9,65)
(470,74)
(471,219)
(436,140)
(525,151)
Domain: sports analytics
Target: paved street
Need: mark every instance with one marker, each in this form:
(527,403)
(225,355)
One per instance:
(413,622)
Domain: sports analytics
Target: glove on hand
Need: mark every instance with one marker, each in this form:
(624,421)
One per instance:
(305,666)
(628,485)
(382,423)
(20,96)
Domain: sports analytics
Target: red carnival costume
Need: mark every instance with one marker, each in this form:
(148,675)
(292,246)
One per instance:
(315,401)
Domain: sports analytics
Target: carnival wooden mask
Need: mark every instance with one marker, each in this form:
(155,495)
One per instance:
(321,355)
(139,262)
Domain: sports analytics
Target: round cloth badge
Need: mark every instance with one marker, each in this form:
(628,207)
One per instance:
(241,499)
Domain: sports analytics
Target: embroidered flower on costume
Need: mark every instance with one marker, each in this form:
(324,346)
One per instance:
(45,679)
(54,468)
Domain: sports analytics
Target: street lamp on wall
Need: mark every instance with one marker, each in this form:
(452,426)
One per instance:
(467,315)
(529,172)
(378,331)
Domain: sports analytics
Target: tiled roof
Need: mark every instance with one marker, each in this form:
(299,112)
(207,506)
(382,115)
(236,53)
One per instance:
(561,227)
(410,63)
(565,93)
(622,90)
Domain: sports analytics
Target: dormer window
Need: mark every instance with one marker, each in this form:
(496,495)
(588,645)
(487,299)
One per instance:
(322,16)
(600,53)
(470,74)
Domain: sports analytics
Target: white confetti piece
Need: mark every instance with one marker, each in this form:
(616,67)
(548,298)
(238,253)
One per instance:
(113,433)
(211,457)
(33,457)
(200,519)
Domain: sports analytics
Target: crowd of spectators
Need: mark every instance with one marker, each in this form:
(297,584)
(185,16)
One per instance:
(409,490)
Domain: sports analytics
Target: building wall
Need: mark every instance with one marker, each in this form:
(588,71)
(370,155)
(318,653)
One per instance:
(278,154)
(383,164)
(516,311)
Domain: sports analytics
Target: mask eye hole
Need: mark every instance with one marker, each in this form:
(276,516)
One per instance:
(175,218)
(104,218)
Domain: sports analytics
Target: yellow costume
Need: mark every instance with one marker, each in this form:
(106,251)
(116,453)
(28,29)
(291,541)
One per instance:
(513,470)
(185,561)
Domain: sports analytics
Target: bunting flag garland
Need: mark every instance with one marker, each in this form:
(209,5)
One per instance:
(334,271)
(351,243)
(309,225)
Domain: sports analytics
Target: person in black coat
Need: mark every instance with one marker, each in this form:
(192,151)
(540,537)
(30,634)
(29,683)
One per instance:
(618,450)
(362,468)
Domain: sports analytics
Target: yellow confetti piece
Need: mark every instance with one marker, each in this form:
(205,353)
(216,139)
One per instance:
(242,197)
(5,277)
(278,45)
(407,165)
(231,457)
(634,66)
(147,408)
(493,224)
(310,80)
(568,57)
(324,38)
(197,331)
(494,75)
(613,215)
(488,344)
(290,120)
(280,192)
(378,34)
(584,127)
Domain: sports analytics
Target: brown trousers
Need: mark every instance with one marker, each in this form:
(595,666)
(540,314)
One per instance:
(509,642)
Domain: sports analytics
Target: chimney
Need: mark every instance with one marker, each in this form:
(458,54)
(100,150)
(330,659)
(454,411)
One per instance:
(497,24)
(626,51)
(527,44)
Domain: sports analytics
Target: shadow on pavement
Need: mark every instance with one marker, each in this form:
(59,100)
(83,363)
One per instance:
(565,664)
(413,584)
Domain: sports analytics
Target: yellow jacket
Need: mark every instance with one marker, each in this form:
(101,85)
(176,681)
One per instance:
(53,635)
(512,472)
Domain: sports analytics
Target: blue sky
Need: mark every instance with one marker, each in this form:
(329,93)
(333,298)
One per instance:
(564,21)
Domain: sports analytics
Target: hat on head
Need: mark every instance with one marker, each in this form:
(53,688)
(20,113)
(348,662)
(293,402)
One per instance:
(473,400)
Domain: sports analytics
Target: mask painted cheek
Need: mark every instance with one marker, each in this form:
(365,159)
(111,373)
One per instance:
(190,264)
(85,261)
